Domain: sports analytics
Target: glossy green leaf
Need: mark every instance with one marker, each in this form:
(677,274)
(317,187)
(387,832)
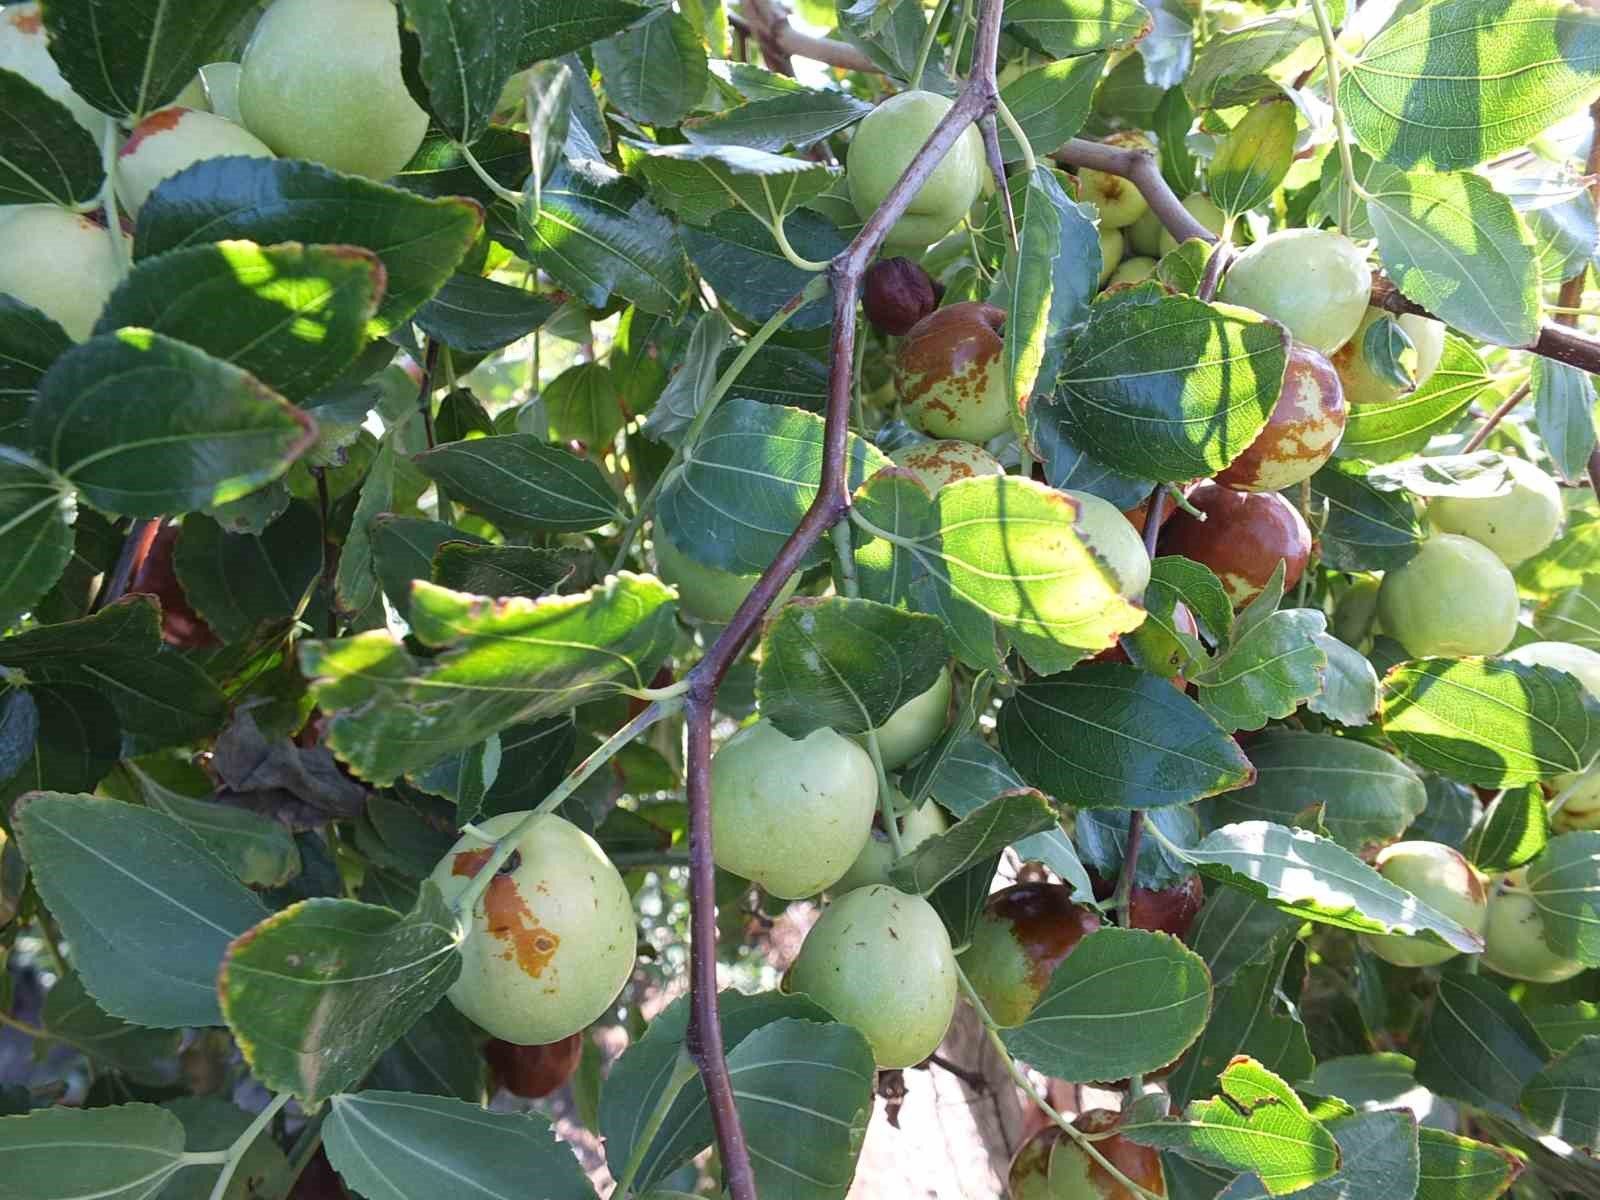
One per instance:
(1561,1025)
(1562,1098)
(1315,879)
(1112,736)
(469,50)
(1457,247)
(1051,102)
(355,586)
(1123,1002)
(1378,1156)
(1513,831)
(46,157)
(551,28)
(402,1146)
(211,1124)
(130,59)
(1384,432)
(1487,722)
(236,581)
(126,1152)
(437,1056)
(1232,65)
(584,404)
(1256,1124)
(655,72)
(597,233)
(315,993)
(420,241)
(1253,159)
(1458,1168)
(1064,28)
(403,549)
(1368,797)
(845,664)
(1566,564)
(36,540)
(71,1015)
(293,316)
(1231,930)
(1366,529)
(1002,822)
(747,482)
(145,426)
(528,571)
(1171,389)
(478,315)
(1478,1047)
(739,257)
(698,180)
(1572,615)
(1564,411)
(1270,666)
(1565,885)
(522,484)
(1452,83)
(503,662)
(147,906)
(799,119)
(997,552)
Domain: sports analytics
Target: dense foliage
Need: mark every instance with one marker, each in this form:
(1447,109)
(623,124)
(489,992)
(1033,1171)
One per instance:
(1086,511)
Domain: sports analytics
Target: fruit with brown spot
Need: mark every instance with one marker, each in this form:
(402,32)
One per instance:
(1441,878)
(1302,431)
(1022,936)
(944,461)
(896,294)
(533,1072)
(1051,1166)
(950,374)
(1242,539)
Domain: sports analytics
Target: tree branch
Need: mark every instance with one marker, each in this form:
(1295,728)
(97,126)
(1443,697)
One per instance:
(1140,168)
(977,99)
(781,40)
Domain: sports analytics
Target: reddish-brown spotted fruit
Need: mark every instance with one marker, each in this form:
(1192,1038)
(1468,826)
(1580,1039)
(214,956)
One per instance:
(1023,935)
(1302,432)
(1169,909)
(533,1071)
(157,576)
(950,375)
(1051,1166)
(896,294)
(1243,538)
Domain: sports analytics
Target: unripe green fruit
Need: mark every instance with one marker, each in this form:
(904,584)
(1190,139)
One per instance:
(1022,936)
(790,815)
(1144,235)
(214,89)
(1580,809)
(1455,597)
(884,145)
(1132,270)
(1119,201)
(1111,243)
(1364,386)
(1314,283)
(551,942)
(61,263)
(1516,525)
(1102,527)
(950,374)
(877,856)
(880,960)
(322,81)
(1203,209)
(1443,880)
(1516,945)
(707,593)
(25,50)
(915,725)
(945,461)
(172,139)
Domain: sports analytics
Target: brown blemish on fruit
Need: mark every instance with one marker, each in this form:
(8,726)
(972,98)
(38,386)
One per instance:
(1045,922)
(952,349)
(1242,539)
(165,120)
(470,862)
(529,944)
(26,22)
(1139,1163)
(1301,433)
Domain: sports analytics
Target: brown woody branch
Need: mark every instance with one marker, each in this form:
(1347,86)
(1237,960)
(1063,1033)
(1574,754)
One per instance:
(977,100)
(780,41)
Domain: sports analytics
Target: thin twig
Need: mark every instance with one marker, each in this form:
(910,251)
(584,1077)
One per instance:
(976,100)
(1494,418)
(1155,512)
(1130,867)
(781,40)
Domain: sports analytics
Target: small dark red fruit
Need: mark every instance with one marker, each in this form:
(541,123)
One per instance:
(1243,538)
(1023,934)
(533,1071)
(1302,431)
(1167,910)
(156,576)
(896,294)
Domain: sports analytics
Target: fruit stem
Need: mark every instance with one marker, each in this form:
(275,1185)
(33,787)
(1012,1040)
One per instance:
(235,1153)
(682,1072)
(1020,1078)
(1123,901)
(815,290)
(488,180)
(958,37)
(506,845)
(1015,126)
(1331,56)
(929,36)
(789,252)
(108,196)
